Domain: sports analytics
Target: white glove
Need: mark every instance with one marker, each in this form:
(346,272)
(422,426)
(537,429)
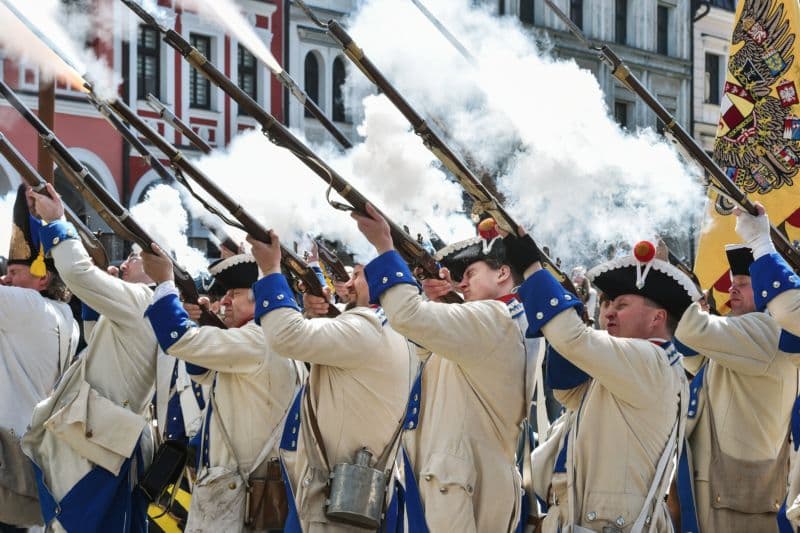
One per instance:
(755,232)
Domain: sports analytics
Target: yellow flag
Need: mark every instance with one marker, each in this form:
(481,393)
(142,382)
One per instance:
(758,137)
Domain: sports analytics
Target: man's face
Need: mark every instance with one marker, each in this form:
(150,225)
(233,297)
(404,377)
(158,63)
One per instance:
(741,294)
(630,316)
(357,288)
(481,282)
(20,276)
(132,270)
(239,308)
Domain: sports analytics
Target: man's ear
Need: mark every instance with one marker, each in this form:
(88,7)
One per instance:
(44,282)
(503,273)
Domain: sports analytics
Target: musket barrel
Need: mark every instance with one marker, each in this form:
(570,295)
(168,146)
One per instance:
(38,184)
(107,207)
(250,224)
(281,136)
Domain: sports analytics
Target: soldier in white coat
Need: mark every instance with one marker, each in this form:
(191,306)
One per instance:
(776,289)
(251,392)
(38,337)
(355,398)
(461,470)
(606,465)
(732,474)
(88,438)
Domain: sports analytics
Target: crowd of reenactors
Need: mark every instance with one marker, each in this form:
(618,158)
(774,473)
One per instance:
(404,412)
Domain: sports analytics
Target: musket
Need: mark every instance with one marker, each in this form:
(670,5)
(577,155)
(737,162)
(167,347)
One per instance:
(177,124)
(720,181)
(246,221)
(34,180)
(153,162)
(111,211)
(332,263)
(170,118)
(484,200)
(279,135)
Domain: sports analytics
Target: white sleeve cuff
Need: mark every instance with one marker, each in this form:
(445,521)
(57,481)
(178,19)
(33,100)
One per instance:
(165,289)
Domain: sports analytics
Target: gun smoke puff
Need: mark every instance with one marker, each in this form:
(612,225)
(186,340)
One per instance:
(389,167)
(570,174)
(67,29)
(163,217)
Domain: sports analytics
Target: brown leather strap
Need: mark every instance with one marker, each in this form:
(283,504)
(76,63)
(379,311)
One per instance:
(312,420)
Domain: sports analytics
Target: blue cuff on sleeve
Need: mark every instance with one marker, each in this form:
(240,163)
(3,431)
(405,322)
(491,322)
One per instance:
(562,374)
(683,349)
(169,320)
(771,275)
(544,298)
(384,272)
(272,292)
(55,232)
(88,314)
(788,342)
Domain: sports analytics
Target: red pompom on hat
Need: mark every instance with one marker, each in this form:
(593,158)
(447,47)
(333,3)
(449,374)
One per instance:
(487,228)
(644,251)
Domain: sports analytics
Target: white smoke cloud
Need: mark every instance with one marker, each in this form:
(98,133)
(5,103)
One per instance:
(390,168)
(541,125)
(163,217)
(68,30)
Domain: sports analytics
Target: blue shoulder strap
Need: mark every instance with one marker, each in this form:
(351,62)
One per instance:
(406,501)
(291,431)
(689,522)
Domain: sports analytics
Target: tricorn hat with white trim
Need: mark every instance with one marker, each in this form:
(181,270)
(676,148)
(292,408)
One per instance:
(487,245)
(645,275)
(235,272)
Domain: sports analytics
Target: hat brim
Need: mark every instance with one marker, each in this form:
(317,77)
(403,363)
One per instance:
(459,256)
(664,284)
(237,272)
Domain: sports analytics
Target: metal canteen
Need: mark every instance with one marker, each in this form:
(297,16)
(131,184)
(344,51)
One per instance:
(357,492)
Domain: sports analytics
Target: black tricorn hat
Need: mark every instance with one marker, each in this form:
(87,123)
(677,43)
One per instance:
(24,248)
(644,275)
(236,272)
(740,257)
(488,244)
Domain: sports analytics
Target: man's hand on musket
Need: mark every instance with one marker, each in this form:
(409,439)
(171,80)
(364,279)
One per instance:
(268,256)
(157,264)
(755,230)
(47,207)
(195,311)
(375,229)
(315,306)
(522,252)
(435,289)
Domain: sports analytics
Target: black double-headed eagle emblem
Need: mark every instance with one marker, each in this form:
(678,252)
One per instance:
(758,138)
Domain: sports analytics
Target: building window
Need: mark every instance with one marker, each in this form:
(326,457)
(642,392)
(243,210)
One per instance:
(148,63)
(248,75)
(621,21)
(662,30)
(660,128)
(526,11)
(199,86)
(712,79)
(312,79)
(621,113)
(338,90)
(576,12)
